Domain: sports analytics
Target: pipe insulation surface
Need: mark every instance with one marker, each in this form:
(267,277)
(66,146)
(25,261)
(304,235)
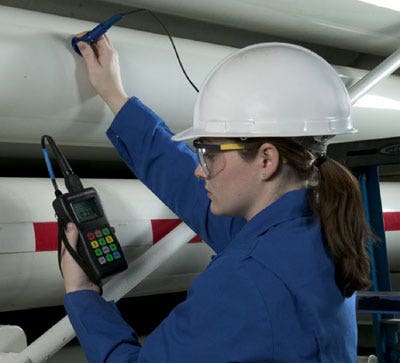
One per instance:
(45,87)
(29,274)
(345,24)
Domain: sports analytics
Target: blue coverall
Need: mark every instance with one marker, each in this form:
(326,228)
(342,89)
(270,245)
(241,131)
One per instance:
(269,294)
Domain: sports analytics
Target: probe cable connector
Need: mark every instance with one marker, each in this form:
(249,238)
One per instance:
(72,181)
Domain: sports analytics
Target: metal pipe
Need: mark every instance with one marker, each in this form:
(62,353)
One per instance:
(147,263)
(149,69)
(36,50)
(62,332)
(12,339)
(384,69)
(319,22)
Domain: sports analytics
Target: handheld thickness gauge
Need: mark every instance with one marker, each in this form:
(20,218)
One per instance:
(99,252)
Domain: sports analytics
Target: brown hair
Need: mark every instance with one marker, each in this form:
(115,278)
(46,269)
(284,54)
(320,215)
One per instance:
(336,200)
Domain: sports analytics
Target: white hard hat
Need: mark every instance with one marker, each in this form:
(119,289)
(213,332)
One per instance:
(271,89)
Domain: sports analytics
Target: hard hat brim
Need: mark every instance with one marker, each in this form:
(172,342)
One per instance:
(192,133)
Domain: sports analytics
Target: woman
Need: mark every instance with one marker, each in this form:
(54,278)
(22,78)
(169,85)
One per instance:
(286,222)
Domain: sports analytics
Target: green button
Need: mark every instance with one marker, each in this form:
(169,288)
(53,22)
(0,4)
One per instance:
(109,257)
(102,241)
(98,252)
(113,247)
(106,231)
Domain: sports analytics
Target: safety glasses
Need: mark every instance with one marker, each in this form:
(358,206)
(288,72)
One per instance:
(211,156)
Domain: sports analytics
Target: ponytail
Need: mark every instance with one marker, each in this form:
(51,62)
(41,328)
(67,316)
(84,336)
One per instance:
(337,201)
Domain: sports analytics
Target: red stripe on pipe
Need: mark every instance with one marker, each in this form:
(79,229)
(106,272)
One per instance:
(46,236)
(392,221)
(161,227)
(46,233)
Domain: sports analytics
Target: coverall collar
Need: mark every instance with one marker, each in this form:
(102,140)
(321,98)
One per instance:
(291,205)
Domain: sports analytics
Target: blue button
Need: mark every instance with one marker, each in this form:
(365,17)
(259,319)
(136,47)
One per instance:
(117,255)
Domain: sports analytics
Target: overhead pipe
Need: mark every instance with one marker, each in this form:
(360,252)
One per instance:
(317,22)
(37,55)
(383,70)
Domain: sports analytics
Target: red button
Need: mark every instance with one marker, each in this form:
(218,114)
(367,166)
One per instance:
(90,236)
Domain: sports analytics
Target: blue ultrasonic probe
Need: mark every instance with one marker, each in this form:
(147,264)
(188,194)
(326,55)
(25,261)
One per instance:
(92,36)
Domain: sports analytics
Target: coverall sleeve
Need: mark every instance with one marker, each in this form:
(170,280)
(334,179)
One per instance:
(167,168)
(100,327)
(216,324)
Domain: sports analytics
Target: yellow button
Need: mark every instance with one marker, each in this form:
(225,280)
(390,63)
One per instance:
(109,239)
(94,244)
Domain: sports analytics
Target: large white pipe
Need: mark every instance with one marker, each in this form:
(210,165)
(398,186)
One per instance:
(390,195)
(29,274)
(45,89)
(44,85)
(353,25)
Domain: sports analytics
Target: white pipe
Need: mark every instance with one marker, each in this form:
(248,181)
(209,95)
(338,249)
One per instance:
(36,54)
(24,270)
(29,274)
(44,83)
(148,262)
(345,24)
(48,343)
(12,339)
(61,333)
(384,69)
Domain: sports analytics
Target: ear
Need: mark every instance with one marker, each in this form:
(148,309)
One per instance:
(268,157)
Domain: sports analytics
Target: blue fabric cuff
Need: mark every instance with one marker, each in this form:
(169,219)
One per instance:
(96,320)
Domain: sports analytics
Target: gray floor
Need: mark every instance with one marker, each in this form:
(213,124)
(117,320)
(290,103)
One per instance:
(69,354)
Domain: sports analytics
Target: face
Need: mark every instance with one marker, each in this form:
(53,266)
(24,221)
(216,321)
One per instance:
(233,184)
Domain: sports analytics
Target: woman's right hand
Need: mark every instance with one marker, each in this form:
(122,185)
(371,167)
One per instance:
(104,71)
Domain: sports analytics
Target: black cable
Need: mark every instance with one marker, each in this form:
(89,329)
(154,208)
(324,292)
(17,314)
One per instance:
(72,181)
(49,165)
(133,11)
(171,40)
(62,161)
